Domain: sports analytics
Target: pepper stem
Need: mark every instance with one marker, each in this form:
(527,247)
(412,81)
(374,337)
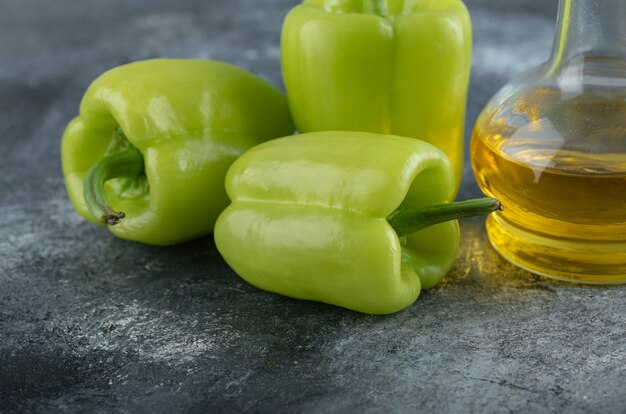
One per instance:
(405,222)
(127,163)
(376,7)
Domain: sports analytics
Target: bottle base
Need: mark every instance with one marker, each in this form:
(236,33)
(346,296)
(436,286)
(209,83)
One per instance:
(576,261)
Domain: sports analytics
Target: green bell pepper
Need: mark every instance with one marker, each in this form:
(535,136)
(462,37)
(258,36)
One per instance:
(345,218)
(387,66)
(154,140)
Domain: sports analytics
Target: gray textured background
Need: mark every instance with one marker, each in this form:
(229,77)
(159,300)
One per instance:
(92,323)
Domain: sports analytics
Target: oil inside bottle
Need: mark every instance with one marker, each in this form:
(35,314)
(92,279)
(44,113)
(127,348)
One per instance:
(558,165)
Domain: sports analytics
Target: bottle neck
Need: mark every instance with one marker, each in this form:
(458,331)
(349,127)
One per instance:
(589,29)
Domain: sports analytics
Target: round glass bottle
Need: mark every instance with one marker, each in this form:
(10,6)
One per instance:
(551,146)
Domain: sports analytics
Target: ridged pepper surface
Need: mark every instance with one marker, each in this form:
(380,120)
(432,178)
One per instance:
(386,66)
(310,218)
(163,134)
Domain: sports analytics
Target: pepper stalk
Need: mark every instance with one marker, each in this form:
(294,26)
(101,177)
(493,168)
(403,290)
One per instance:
(127,163)
(376,7)
(408,221)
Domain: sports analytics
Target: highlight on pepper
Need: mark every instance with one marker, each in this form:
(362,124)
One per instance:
(150,149)
(351,219)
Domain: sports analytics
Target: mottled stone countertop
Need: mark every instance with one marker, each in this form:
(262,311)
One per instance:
(92,323)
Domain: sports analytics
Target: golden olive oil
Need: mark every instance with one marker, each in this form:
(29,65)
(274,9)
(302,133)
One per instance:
(561,178)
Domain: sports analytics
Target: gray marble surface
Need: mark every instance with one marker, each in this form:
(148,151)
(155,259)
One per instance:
(92,323)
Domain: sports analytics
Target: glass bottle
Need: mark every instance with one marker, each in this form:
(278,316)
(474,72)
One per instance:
(551,146)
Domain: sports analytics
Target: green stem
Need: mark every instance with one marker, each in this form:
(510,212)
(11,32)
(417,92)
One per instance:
(376,7)
(409,221)
(127,163)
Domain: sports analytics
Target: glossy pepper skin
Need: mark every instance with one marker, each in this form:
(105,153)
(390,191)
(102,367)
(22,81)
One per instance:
(386,66)
(190,119)
(308,219)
